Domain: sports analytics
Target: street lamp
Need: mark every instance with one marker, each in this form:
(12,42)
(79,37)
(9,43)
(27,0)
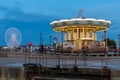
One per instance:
(50,43)
(117,46)
(105,38)
(41,39)
(118,43)
(55,44)
(40,47)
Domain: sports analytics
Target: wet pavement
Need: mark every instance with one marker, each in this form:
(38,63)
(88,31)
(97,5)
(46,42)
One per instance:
(113,63)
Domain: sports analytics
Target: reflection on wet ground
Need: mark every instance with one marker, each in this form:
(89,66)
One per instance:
(11,65)
(112,63)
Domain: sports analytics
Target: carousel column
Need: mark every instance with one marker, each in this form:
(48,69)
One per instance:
(66,36)
(72,39)
(80,36)
(83,32)
(94,38)
(77,39)
(62,35)
(94,35)
(77,33)
(83,35)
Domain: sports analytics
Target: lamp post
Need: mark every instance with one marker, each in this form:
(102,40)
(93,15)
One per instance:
(50,43)
(117,46)
(118,43)
(40,47)
(105,38)
(55,44)
(40,38)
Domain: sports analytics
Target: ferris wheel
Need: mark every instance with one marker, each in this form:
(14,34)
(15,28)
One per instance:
(13,37)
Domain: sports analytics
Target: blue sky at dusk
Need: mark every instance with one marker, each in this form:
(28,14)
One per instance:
(33,17)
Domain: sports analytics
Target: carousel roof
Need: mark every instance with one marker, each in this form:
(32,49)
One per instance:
(80,21)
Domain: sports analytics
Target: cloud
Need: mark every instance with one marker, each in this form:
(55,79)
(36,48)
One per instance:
(30,25)
(18,14)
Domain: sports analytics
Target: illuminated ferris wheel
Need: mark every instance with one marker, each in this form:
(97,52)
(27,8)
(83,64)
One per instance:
(13,37)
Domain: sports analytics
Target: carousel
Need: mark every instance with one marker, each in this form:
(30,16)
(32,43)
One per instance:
(80,31)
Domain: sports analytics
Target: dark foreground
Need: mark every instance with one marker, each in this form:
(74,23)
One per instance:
(34,71)
(55,67)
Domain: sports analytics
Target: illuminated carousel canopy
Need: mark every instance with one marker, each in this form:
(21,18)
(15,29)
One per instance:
(99,24)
